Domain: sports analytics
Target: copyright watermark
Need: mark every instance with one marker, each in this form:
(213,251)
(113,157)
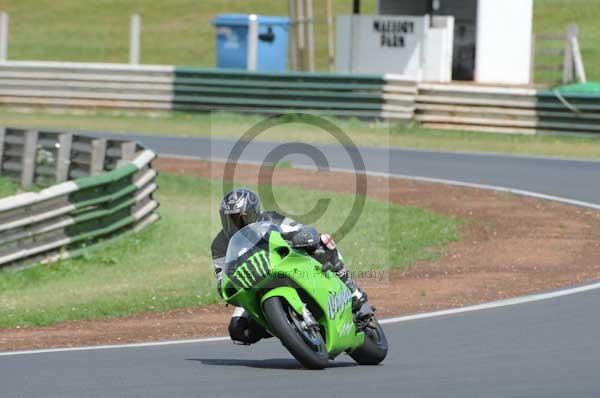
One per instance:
(319,157)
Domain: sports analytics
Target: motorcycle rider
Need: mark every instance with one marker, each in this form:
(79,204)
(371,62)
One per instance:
(241,207)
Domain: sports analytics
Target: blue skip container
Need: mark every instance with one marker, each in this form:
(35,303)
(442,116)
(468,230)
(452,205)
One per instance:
(232,42)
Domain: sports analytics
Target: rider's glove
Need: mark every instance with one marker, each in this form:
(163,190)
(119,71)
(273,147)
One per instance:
(219,277)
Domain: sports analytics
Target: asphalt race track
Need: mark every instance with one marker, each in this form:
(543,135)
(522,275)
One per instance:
(544,348)
(573,179)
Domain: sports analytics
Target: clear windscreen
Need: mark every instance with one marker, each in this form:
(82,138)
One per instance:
(245,241)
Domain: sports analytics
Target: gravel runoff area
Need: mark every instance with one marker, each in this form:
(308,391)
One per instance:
(509,246)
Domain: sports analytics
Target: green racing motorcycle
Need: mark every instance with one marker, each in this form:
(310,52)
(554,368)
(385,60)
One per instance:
(289,294)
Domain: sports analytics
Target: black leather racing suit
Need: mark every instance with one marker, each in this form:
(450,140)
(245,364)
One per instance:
(244,329)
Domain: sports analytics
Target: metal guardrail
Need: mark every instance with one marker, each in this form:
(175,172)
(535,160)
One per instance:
(112,193)
(167,88)
(506,109)
(164,88)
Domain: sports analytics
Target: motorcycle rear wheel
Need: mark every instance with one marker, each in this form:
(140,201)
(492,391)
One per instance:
(307,346)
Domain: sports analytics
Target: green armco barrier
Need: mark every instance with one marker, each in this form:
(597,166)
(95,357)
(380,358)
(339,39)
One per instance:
(101,226)
(183,81)
(581,88)
(61,221)
(106,178)
(269,92)
(109,192)
(181,71)
(166,88)
(104,203)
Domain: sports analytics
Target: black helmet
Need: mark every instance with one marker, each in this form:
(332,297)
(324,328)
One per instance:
(239,208)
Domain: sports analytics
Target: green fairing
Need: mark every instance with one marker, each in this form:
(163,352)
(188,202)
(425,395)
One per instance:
(292,277)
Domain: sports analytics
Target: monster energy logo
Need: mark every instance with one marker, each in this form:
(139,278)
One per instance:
(252,271)
(338,301)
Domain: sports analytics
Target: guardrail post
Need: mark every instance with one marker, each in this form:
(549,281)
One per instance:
(3,36)
(134,39)
(29,159)
(63,158)
(127,152)
(2,135)
(98,156)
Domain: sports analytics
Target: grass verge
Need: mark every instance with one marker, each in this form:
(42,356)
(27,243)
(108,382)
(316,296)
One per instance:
(230,125)
(168,265)
(8,187)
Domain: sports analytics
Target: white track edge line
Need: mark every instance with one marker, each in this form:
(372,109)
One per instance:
(496,304)
(114,346)
(425,315)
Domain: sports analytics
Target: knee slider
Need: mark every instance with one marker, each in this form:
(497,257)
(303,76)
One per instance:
(237,328)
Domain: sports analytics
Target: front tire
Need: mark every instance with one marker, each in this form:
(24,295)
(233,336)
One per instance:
(306,346)
(375,348)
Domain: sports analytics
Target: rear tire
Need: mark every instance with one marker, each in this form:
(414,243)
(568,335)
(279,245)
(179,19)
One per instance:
(311,356)
(375,348)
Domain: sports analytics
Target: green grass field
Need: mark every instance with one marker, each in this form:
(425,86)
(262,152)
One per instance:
(168,265)
(551,16)
(179,31)
(233,126)
(7,187)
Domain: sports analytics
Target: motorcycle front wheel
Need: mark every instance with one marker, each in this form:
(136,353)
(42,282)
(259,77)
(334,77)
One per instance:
(375,348)
(305,344)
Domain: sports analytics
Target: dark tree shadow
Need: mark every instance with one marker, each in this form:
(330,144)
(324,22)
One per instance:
(273,363)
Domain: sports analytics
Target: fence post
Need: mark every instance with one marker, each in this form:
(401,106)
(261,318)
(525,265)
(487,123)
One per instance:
(134,39)
(292,36)
(310,40)
(3,37)
(532,61)
(571,31)
(63,158)
(578,61)
(29,158)
(300,34)
(98,156)
(2,135)
(330,38)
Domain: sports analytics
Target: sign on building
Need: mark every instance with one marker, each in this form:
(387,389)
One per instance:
(394,44)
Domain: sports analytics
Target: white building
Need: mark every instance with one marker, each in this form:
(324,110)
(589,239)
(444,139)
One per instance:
(488,41)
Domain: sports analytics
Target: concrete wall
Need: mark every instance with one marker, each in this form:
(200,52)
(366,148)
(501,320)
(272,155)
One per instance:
(439,50)
(504,41)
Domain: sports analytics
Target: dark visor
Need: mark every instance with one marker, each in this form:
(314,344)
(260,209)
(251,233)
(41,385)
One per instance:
(238,220)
